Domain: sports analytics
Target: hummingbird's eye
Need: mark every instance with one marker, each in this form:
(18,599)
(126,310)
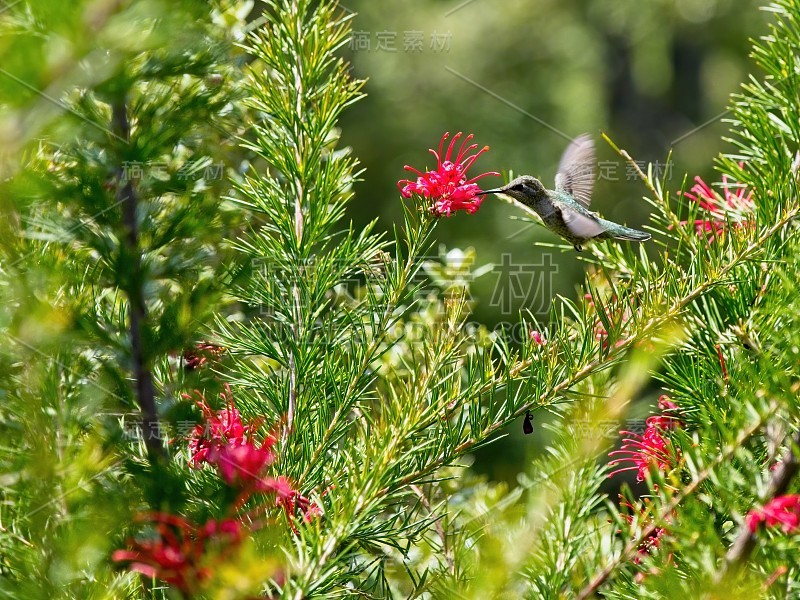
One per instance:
(520,187)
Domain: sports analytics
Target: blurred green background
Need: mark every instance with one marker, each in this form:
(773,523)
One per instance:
(525,76)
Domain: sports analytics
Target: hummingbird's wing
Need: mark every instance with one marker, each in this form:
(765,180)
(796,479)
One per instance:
(579,222)
(576,170)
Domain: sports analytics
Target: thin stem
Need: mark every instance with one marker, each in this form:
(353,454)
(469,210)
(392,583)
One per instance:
(145,390)
(446,550)
(299,226)
(368,492)
(676,224)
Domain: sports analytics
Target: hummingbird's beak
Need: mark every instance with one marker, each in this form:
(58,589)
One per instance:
(494,191)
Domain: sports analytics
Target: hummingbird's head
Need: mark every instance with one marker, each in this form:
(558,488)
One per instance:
(522,188)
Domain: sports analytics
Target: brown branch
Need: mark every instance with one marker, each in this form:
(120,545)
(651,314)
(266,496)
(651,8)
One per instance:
(145,390)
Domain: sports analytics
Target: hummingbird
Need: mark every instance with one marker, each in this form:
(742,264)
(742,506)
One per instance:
(565,210)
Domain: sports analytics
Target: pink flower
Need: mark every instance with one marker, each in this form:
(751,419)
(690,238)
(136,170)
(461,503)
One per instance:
(667,421)
(537,338)
(227,443)
(291,500)
(177,554)
(662,423)
(650,450)
(280,486)
(448,187)
(243,463)
(220,428)
(229,527)
(783,511)
(722,209)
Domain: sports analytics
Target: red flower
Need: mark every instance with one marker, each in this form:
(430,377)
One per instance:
(280,486)
(647,451)
(227,443)
(651,450)
(667,421)
(242,463)
(178,554)
(228,527)
(722,209)
(220,428)
(664,403)
(448,187)
(783,511)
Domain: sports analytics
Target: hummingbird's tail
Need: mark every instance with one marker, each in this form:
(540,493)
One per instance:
(626,233)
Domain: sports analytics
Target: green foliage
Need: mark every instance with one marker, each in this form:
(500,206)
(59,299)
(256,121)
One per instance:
(358,353)
(111,209)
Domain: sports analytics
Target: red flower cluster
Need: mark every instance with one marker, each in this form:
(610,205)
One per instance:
(291,500)
(667,421)
(222,428)
(240,464)
(225,442)
(652,449)
(783,511)
(448,187)
(178,555)
(733,207)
